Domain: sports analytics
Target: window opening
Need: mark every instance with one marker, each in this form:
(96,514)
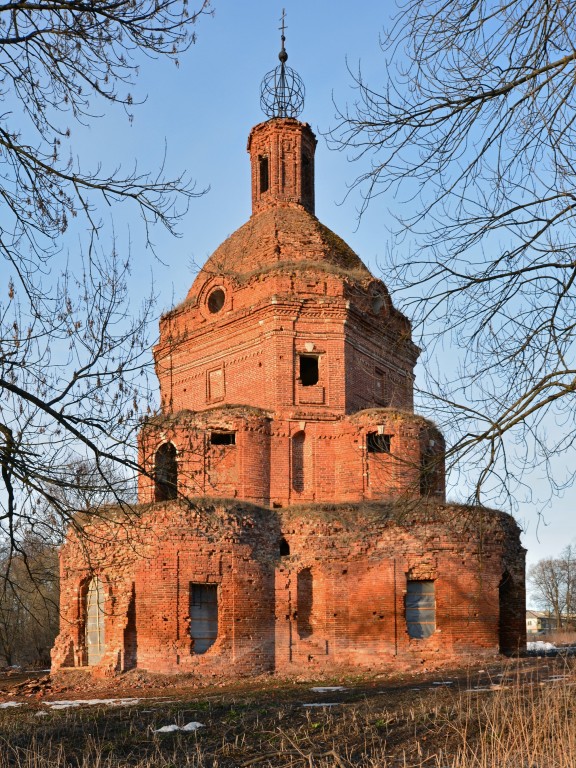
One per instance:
(308,370)
(427,474)
(203,616)
(284,548)
(264,180)
(304,595)
(421,608)
(223,438)
(216,300)
(508,615)
(307,182)
(298,478)
(94,622)
(377,443)
(130,635)
(165,473)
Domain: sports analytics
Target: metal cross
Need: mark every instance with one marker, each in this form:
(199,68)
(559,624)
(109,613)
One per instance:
(283,27)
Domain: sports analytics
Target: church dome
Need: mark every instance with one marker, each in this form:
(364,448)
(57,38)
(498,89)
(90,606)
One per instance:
(281,238)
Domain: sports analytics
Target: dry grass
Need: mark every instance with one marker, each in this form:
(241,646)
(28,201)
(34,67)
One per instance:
(522,722)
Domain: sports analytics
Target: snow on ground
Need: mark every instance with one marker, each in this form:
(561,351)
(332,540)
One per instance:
(188,728)
(90,703)
(323,704)
(7,704)
(328,689)
(540,645)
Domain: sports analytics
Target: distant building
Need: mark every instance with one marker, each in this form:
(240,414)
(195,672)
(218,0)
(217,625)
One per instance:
(293,515)
(539,622)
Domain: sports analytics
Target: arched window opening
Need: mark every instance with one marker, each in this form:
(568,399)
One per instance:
(94,622)
(307,178)
(427,473)
(284,548)
(298,479)
(304,597)
(264,176)
(165,473)
(508,616)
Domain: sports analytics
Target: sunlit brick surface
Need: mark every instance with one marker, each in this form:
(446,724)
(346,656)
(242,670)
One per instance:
(287,468)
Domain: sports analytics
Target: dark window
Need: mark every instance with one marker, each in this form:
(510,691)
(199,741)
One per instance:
(377,443)
(304,594)
(165,473)
(308,370)
(203,616)
(223,438)
(264,181)
(94,621)
(284,548)
(427,474)
(511,610)
(420,608)
(216,300)
(307,180)
(298,476)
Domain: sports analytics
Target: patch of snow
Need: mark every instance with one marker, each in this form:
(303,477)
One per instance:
(323,704)
(90,703)
(188,728)
(7,704)
(41,713)
(443,682)
(328,689)
(540,645)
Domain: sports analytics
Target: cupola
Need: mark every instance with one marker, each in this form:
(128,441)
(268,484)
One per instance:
(282,148)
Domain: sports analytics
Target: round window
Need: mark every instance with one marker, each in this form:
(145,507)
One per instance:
(216,300)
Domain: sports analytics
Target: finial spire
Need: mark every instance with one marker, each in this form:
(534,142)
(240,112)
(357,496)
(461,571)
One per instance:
(283,56)
(282,90)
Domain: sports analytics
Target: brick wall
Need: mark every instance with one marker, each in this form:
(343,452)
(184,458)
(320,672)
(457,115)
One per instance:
(337,599)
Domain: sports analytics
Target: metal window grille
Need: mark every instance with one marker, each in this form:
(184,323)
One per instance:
(420,608)
(203,616)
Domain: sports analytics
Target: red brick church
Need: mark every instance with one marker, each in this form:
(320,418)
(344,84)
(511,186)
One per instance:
(292,513)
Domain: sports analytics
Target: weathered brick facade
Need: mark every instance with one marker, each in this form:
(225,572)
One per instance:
(292,512)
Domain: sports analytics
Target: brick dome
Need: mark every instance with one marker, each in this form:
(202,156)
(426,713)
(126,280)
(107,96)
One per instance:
(281,237)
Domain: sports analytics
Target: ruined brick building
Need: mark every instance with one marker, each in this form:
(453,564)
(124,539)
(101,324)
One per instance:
(292,513)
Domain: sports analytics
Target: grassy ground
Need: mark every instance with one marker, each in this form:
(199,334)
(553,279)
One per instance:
(519,716)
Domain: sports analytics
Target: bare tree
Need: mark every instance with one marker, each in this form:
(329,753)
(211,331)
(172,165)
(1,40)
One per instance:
(553,582)
(29,615)
(71,346)
(473,133)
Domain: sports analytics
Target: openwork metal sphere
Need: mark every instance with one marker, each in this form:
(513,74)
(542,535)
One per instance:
(282,93)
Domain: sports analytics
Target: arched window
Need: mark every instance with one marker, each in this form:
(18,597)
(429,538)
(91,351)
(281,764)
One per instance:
(511,615)
(298,478)
(94,621)
(165,473)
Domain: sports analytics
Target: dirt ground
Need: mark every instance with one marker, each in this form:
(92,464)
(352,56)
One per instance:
(392,719)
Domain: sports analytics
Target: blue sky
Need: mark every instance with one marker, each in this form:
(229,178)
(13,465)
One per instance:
(200,114)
